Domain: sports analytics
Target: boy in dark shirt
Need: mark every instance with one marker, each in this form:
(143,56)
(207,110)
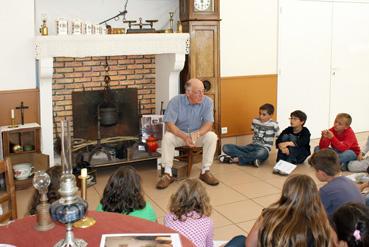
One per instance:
(293,143)
(338,190)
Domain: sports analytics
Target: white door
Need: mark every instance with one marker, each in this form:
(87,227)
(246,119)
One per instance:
(350,63)
(304,55)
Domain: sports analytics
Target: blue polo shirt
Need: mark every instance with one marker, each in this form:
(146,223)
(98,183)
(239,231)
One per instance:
(338,192)
(186,116)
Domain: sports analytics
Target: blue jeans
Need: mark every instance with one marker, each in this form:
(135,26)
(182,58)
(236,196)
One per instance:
(246,154)
(238,241)
(344,157)
(297,154)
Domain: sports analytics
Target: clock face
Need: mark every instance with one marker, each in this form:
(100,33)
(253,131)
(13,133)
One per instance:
(203,5)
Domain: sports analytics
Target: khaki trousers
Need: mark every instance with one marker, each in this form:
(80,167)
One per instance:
(208,142)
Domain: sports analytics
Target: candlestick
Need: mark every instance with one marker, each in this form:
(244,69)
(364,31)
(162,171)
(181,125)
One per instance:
(85,221)
(12,124)
(12,114)
(84,172)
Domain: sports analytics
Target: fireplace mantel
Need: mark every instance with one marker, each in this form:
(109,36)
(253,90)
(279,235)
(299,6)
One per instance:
(170,51)
(111,45)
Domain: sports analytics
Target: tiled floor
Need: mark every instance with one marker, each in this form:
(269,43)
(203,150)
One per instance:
(237,201)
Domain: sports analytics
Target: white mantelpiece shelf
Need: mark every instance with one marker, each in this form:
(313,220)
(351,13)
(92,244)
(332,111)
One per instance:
(169,49)
(111,45)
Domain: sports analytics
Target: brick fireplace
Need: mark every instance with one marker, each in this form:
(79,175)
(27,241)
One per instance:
(149,62)
(87,74)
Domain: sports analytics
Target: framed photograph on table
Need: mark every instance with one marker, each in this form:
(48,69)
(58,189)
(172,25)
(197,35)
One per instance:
(140,240)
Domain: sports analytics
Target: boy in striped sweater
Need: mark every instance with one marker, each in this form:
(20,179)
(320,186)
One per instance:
(265,129)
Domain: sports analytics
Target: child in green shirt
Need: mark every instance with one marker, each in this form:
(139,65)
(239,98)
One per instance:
(123,194)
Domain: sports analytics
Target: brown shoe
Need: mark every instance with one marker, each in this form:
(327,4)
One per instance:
(164,181)
(209,178)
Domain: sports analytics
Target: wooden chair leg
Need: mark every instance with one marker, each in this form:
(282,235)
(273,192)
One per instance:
(190,163)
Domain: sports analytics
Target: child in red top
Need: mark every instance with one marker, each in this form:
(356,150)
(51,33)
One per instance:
(341,138)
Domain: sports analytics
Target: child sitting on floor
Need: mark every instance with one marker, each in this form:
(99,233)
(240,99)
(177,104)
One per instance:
(351,222)
(362,164)
(296,219)
(265,129)
(293,143)
(339,189)
(190,211)
(341,138)
(123,194)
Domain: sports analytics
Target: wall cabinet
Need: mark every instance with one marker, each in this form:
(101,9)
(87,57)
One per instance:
(22,145)
(20,140)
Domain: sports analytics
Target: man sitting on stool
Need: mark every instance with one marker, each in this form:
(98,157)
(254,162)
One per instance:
(189,119)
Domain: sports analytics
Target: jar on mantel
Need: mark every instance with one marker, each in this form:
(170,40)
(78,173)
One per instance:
(152,144)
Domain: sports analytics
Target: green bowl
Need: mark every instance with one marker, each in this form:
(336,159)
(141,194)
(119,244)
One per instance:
(28,147)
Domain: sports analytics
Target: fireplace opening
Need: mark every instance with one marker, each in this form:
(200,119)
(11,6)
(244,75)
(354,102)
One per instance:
(98,140)
(85,114)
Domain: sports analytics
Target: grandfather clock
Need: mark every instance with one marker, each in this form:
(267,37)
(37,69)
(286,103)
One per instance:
(200,18)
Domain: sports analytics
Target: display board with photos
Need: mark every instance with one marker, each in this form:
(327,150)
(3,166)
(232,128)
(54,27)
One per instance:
(152,125)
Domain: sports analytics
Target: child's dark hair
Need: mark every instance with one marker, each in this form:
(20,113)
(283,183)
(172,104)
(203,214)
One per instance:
(123,192)
(55,173)
(190,196)
(351,222)
(269,108)
(325,160)
(345,116)
(300,115)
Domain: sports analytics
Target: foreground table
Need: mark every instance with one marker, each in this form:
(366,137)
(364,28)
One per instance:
(22,233)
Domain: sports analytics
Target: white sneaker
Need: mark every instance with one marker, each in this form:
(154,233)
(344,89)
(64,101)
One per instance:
(224,158)
(257,163)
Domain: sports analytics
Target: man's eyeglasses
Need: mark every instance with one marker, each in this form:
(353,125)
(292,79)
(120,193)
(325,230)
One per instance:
(198,92)
(293,118)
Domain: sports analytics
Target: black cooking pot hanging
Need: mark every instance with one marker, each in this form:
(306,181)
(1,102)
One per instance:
(108,110)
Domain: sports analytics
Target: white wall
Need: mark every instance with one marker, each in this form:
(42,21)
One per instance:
(248,37)
(17,64)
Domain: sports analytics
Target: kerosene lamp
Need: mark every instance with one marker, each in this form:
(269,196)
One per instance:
(41,181)
(69,208)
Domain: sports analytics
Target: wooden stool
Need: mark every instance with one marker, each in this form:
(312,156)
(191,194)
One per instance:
(190,155)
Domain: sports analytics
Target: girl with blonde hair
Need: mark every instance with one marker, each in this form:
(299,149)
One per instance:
(190,213)
(297,219)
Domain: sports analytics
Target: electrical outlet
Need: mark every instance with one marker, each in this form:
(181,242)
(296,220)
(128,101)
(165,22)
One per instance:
(224,130)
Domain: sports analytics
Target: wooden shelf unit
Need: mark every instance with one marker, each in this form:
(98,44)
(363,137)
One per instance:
(23,137)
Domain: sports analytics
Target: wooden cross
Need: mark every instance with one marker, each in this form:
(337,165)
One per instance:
(22,107)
